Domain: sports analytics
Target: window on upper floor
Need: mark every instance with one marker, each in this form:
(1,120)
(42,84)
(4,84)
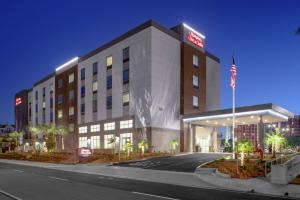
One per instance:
(109,82)
(59,114)
(195,101)
(126,54)
(82,109)
(108,102)
(82,73)
(59,99)
(71,111)
(109,62)
(36,95)
(60,83)
(44,91)
(125,99)
(82,91)
(195,81)
(195,61)
(71,78)
(95,68)
(71,95)
(95,86)
(126,76)
(95,108)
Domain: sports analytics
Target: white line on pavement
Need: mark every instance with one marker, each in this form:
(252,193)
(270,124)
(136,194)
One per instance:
(17,170)
(9,195)
(57,178)
(152,195)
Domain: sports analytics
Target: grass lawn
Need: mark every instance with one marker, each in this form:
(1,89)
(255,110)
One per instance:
(252,168)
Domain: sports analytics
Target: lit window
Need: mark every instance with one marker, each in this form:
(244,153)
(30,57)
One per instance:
(125,99)
(126,124)
(109,126)
(95,142)
(108,144)
(95,86)
(109,61)
(125,138)
(195,81)
(71,127)
(71,111)
(83,129)
(60,114)
(71,78)
(95,128)
(195,101)
(195,61)
(44,104)
(82,142)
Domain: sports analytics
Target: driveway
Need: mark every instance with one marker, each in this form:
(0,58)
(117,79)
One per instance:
(180,163)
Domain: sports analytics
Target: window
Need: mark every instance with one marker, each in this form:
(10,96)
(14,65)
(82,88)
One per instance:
(107,141)
(51,116)
(82,73)
(71,111)
(125,138)
(82,142)
(95,105)
(95,86)
(60,83)
(126,124)
(60,99)
(109,62)
(60,114)
(195,81)
(109,126)
(71,95)
(44,91)
(126,76)
(51,87)
(83,129)
(82,91)
(36,108)
(195,61)
(36,95)
(195,101)
(71,127)
(51,102)
(108,102)
(108,82)
(82,108)
(126,54)
(95,128)
(44,105)
(125,99)
(71,78)
(95,142)
(95,68)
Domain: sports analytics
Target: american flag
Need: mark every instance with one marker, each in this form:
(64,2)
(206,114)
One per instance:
(233,74)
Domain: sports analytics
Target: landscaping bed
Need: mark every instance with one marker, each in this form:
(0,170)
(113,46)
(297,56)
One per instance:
(296,181)
(252,168)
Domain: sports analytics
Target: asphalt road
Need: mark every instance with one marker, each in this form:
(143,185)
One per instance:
(33,183)
(182,163)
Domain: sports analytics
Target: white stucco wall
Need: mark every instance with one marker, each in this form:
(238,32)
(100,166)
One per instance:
(212,84)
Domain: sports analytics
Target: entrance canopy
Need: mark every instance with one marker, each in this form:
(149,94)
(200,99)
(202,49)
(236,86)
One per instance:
(266,113)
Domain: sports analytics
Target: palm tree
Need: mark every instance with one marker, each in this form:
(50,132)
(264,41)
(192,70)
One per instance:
(34,131)
(174,144)
(244,146)
(61,132)
(276,140)
(15,137)
(142,145)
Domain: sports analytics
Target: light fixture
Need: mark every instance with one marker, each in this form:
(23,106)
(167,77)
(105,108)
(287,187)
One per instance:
(73,60)
(252,117)
(191,29)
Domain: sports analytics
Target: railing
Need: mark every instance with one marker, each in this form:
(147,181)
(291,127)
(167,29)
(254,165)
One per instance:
(282,159)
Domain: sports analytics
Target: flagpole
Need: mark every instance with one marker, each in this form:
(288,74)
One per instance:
(233,121)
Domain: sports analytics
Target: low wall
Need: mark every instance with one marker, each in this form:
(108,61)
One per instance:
(285,173)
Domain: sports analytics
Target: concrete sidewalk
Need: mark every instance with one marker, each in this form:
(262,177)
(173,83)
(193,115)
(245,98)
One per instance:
(212,181)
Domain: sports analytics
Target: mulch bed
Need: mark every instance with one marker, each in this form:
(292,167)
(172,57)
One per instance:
(296,181)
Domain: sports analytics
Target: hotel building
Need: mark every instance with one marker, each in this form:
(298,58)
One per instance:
(137,86)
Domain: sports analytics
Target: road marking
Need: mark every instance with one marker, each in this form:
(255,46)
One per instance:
(16,170)
(57,178)
(152,195)
(9,195)
(104,177)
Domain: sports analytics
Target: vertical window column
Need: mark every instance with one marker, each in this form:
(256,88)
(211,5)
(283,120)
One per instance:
(125,98)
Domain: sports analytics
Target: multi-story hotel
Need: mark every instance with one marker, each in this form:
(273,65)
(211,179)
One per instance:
(137,86)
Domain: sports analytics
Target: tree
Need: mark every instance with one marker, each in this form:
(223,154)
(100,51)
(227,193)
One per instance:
(276,140)
(127,147)
(61,132)
(113,141)
(142,145)
(244,146)
(34,131)
(15,137)
(174,145)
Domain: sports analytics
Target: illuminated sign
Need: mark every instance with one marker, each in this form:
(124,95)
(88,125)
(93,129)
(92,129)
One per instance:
(18,101)
(195,39)
(84,152)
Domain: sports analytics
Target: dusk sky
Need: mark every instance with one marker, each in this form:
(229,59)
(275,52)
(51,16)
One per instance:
(38,36)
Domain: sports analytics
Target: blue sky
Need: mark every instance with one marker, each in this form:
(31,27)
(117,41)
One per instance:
(37,36)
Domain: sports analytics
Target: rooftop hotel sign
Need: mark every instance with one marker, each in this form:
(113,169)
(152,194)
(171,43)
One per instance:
(18,101)
(195,39)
